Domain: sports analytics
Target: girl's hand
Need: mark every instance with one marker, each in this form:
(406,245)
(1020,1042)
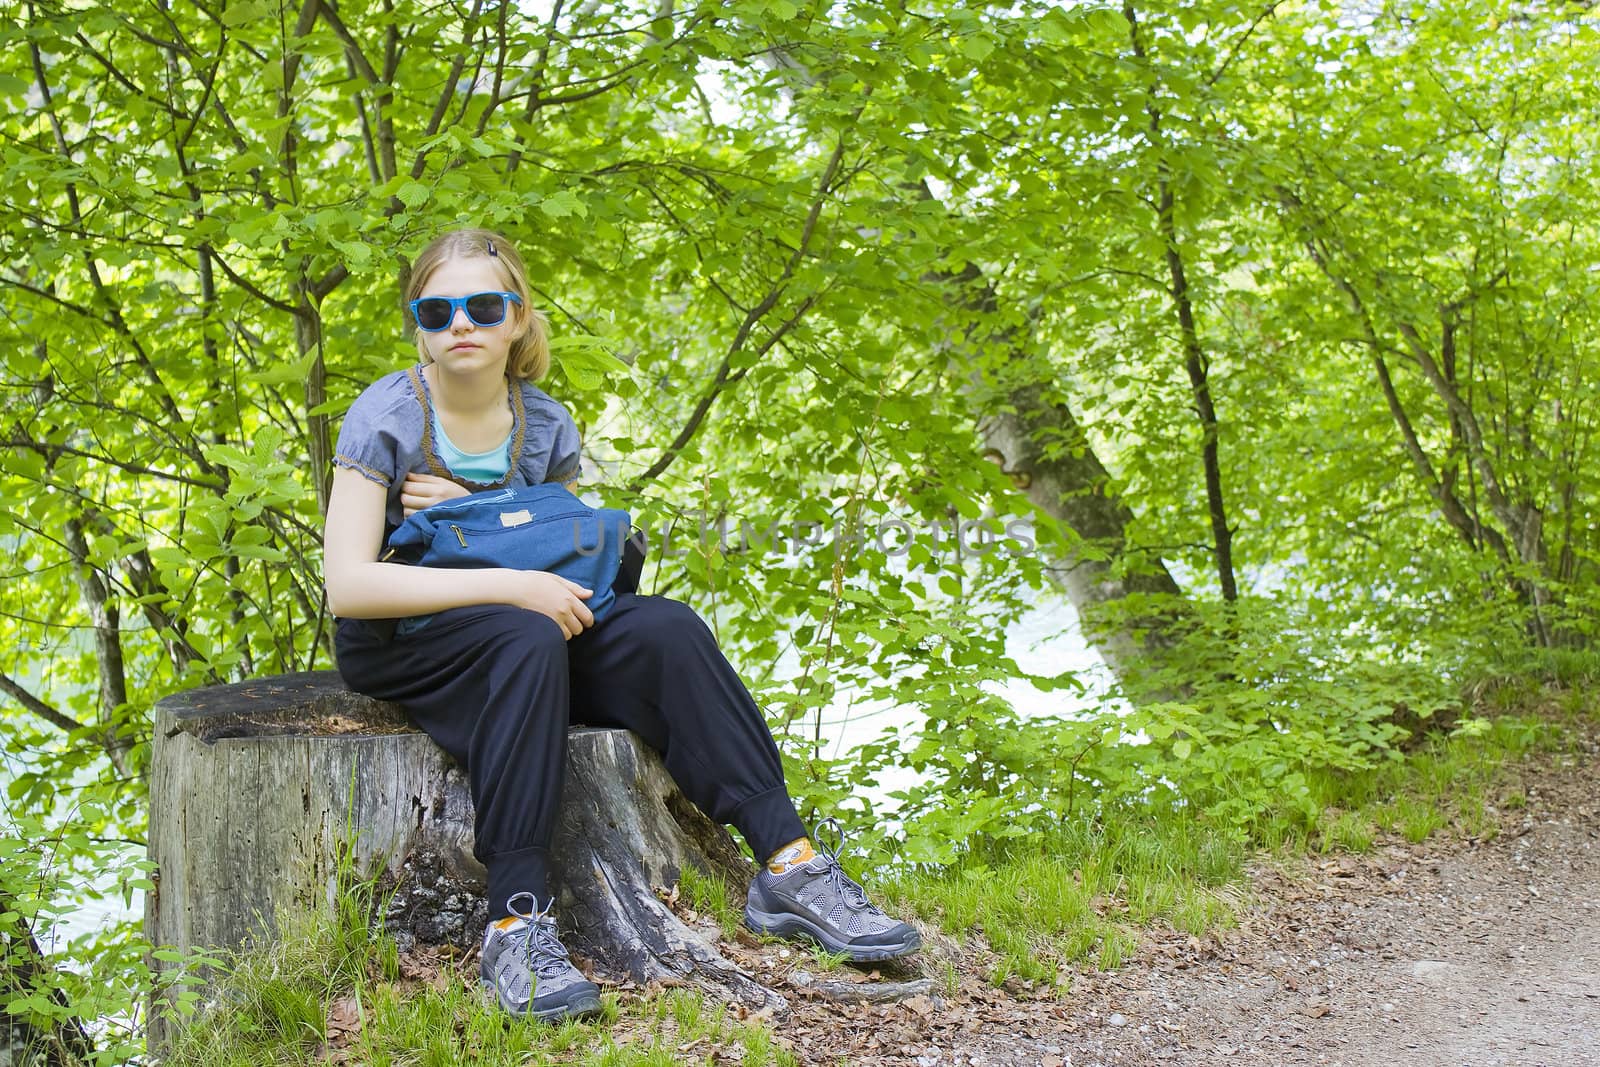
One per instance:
(552,595)
(424,490)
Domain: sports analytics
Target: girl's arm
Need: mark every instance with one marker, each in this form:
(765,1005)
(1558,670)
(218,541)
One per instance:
(359,587)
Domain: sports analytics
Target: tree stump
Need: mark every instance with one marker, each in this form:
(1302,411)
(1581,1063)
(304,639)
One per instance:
(258,789)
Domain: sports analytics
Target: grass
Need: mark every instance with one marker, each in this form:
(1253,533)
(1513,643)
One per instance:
(826,961)
(329,990)
(278,1006)
(1080,896)
(1075,896)
(708,895)
(1456,780)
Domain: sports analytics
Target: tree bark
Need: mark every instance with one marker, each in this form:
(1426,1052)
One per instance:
(1068,484)
(1072,486)
(1036,438)
(273,796)
(106,619)
(319,435)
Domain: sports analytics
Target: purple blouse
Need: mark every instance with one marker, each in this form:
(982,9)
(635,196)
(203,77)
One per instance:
(388,433)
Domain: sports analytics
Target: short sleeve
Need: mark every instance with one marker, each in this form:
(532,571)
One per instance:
(566,451)
(370,436)
(552,449)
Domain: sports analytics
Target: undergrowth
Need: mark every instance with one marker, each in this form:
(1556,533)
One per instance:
(1076,889)
(1078,893)
(295,1002)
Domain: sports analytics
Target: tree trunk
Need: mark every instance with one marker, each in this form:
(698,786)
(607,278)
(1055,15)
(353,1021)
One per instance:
(1072,486)
(25,1041)
(260,791)
(1195,363)
(1125,604)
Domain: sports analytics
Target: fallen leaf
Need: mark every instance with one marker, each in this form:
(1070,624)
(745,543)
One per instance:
(344,1020)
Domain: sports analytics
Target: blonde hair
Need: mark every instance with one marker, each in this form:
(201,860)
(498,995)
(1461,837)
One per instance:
(529,357)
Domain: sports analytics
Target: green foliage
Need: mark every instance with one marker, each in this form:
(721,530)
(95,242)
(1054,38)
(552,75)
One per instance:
(1266,724)
(1080,892)
(811,314)
(293,1002)
(1268,699)
(51,983)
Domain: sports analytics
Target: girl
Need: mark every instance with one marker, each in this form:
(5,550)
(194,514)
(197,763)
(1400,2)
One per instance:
(495,664)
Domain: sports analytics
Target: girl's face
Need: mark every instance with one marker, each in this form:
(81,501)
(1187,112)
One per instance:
(465,347)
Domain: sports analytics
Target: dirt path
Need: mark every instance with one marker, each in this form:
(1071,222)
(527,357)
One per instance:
(1446,953)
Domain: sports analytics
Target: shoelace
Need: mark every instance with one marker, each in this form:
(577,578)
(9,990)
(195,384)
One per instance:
(853,896)
(546,956)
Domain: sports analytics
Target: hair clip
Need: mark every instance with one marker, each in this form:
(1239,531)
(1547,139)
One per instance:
(492,252)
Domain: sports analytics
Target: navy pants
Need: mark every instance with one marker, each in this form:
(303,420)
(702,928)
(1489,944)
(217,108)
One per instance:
(497,687)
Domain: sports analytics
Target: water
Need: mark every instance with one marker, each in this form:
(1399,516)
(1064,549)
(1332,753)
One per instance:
(1045,640)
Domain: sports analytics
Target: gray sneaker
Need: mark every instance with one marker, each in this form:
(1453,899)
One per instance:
(527,969)
(817,900)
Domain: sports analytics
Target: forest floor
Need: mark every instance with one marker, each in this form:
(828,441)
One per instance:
(1454,950)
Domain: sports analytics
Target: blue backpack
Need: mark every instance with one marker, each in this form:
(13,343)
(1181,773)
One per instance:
(535,527)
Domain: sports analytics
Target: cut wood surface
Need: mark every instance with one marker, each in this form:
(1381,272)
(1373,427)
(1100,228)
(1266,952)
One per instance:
(258,789)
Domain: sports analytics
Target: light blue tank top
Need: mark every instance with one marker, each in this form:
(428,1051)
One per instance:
(490,466)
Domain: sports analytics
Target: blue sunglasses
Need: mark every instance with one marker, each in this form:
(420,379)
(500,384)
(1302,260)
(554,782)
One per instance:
(435,313)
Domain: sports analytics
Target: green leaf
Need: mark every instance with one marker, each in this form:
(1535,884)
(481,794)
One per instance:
(562,204)
(1108,23)
(414,194)
(284,372)
(977,47)
(586,360)
(238,13)
(357,254)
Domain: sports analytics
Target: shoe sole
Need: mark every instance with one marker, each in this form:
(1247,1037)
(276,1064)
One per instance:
(787,925)
(584,1006)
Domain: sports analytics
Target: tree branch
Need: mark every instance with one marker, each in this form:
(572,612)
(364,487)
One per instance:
(59,719)
(536,75)
(53,452)
(114,312)
(106,620)
(77,309)
(1238,44)
(1195,361)
(253,290)
(722,379)
(419,163)
(1449,504)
